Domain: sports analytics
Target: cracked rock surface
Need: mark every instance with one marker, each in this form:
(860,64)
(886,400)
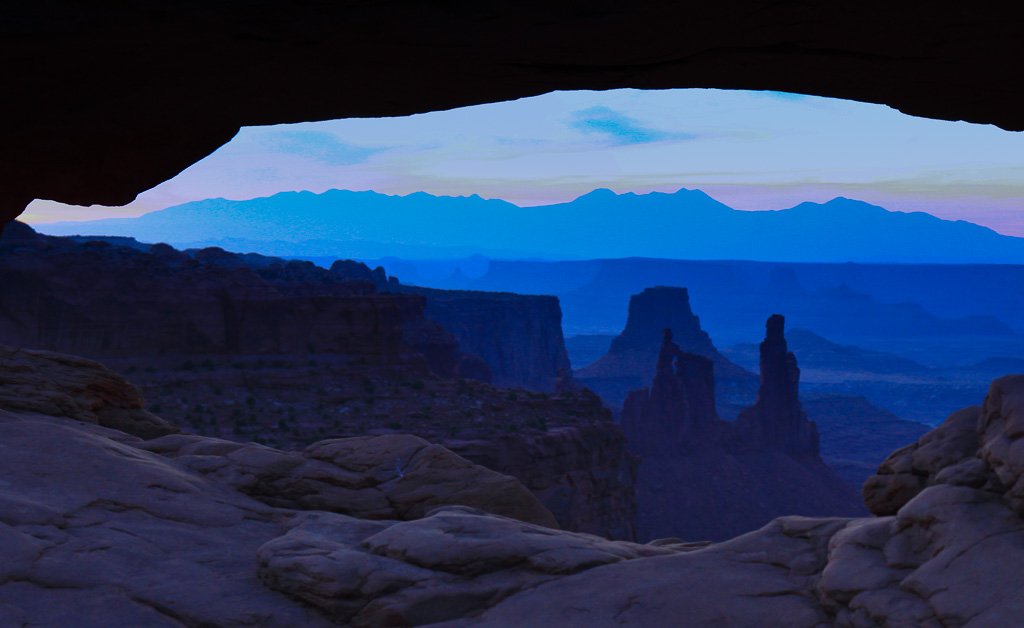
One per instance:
(95,532)
(457,561)
(949,558)
(101,528)
(394,476)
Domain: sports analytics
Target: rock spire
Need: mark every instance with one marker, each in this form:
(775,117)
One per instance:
(777,419)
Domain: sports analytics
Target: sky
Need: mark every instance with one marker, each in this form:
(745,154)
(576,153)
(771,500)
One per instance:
(750,150)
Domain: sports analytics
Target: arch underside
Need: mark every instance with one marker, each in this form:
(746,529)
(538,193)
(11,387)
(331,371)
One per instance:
(104,101)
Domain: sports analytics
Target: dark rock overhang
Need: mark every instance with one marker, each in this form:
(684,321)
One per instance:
(103,100)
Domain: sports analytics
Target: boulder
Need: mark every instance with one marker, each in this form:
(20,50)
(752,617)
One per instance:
(455,562)
(909,470)
(66,386)
(948,558)
(977,447)
(394,476)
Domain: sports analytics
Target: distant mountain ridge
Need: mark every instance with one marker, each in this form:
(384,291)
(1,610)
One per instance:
(687,224)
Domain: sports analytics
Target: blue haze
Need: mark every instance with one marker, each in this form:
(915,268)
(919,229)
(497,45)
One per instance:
(687,224)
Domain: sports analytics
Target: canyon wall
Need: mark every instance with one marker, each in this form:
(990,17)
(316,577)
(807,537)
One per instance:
(157,301)
(164,303)
(583,475)
(357,359)
(518,336)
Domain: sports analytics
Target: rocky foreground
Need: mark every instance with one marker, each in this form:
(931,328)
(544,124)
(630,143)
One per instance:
(109,516)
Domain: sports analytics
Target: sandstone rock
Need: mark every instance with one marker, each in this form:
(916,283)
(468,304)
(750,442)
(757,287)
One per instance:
(944,559)
(704,478)
(947,559)
(152,304)
(349,270)
(677,414)
(657,308)
(67,386)
(631,361)
(1000,430)
(977,447)
(582,474)
(909,470)
(168,254)
(420,476)
(777,419)
(395,476)
(455,562)
(762,578)
(518,336)
(446,355)
(96,533)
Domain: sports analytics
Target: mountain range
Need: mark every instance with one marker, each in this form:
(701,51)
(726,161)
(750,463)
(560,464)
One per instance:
(687,224)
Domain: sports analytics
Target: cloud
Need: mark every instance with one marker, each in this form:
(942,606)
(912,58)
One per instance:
(318,145)
(619,128)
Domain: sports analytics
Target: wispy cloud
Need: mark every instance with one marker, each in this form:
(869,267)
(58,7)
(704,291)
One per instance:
(619,128)
(318,145)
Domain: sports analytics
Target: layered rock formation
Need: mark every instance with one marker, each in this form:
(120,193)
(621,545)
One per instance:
(86,509)
(702,477)
(976,448)
(677,414)
(455,563)
(777,419)
(397,477)
(247,347)
(631,361)
(58,385)
(161,302)
(563,447)
(583,475)
(518,336)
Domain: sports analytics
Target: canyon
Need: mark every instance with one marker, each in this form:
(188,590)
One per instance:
(250,348)
(390,530)
(705,478)
(518,336)
(110,100)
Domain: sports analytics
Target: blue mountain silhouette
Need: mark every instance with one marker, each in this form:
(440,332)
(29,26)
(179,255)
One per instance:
(687,224)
